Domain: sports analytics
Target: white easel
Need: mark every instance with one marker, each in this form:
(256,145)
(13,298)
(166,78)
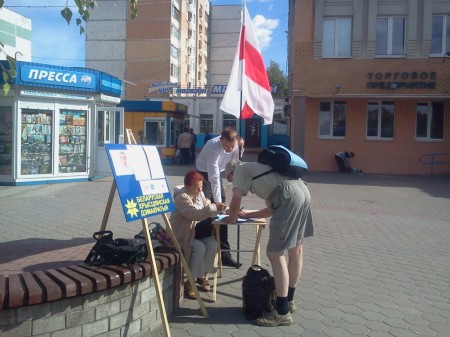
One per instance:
(162,308)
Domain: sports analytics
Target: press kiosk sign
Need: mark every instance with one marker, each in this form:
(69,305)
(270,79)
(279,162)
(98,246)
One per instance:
(140,180)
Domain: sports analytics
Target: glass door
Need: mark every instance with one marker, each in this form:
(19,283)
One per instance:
(110,130)
(36,147)
(72,140)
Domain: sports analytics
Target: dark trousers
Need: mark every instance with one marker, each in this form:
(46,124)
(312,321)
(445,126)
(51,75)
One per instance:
(185,154)
(224,244)
(343,164)
(193,154)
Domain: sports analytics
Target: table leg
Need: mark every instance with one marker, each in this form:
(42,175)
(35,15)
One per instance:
(238,243)
(219,252)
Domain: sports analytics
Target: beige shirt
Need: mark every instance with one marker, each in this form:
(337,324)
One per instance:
(189,209)
(185,140)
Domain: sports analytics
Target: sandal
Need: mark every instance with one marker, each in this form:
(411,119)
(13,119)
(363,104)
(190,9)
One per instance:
(204,284)
(189,291)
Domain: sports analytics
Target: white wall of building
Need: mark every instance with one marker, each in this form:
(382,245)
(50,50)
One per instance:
(16,29)
(224,35)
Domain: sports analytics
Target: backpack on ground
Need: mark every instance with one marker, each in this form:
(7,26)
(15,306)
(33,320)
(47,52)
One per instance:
(282,161)
(107,250)
(258,292)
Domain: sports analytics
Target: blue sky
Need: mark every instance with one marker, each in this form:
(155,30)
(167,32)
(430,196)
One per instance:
(55,42)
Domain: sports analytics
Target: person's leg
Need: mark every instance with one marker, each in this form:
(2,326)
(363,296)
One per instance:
(196,265)
(227,260)
(281,314)
(210,254)
(281,277)
(340,163)
(196,260)
(193,154)
(295,266)
(187,156)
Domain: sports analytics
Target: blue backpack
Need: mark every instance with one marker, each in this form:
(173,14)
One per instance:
(282,161)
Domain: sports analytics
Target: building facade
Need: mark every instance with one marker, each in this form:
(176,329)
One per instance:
(163,52)
(371,77)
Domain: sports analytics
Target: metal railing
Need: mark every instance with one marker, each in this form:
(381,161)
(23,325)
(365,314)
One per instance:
(433,159)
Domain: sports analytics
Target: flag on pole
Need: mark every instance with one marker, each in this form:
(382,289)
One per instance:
(248,78)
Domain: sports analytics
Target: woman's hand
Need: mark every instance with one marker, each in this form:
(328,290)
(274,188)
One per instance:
(221,207)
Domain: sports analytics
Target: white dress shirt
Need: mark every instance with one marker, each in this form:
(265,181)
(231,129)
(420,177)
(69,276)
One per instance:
(213,159)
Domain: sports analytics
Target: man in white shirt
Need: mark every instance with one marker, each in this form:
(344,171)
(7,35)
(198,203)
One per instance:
(211,161)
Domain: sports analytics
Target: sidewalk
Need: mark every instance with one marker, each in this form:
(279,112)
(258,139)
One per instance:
(378,265)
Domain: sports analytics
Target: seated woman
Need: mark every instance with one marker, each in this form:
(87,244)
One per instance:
(191,206)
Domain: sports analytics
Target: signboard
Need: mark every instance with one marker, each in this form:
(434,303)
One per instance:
(140,180)
(52,76)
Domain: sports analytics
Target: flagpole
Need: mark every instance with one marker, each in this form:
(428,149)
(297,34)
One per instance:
(241,73)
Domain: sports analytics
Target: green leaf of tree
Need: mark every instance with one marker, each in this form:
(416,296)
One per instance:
(66,13)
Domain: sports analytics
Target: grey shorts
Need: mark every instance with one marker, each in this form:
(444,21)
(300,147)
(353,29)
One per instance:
(291,215)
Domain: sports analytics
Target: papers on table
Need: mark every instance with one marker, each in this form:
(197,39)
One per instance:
(220,217)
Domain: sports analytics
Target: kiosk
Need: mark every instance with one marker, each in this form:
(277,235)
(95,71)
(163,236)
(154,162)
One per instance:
(54,124)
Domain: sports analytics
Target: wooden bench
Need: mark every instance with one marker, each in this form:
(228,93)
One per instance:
(31,288)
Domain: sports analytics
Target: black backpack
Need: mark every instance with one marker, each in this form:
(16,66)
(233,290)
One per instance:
(282,161)
(258,292)
(108,251)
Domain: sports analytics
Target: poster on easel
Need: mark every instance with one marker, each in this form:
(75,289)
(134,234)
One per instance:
(144,192)
(140,179)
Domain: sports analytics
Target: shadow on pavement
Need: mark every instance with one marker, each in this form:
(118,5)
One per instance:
(14,250)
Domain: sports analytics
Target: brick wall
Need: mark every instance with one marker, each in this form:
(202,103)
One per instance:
(127,310)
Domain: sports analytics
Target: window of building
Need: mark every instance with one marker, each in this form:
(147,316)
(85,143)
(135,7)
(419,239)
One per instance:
(390,36)
(337,37)
(173,70)
(175,13)
(155,132)
(380,120)
(229,121)
(173,51)
(430,121)
(175,32)
(206,123)
(440,35)
(332,118)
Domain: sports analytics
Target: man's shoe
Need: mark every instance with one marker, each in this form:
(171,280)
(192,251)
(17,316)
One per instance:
(228,261)
(272,318)
(292,306)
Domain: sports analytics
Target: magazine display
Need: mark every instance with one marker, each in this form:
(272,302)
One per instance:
(36,150)
(72,141)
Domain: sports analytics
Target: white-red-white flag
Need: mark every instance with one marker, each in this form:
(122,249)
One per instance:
(249,77)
